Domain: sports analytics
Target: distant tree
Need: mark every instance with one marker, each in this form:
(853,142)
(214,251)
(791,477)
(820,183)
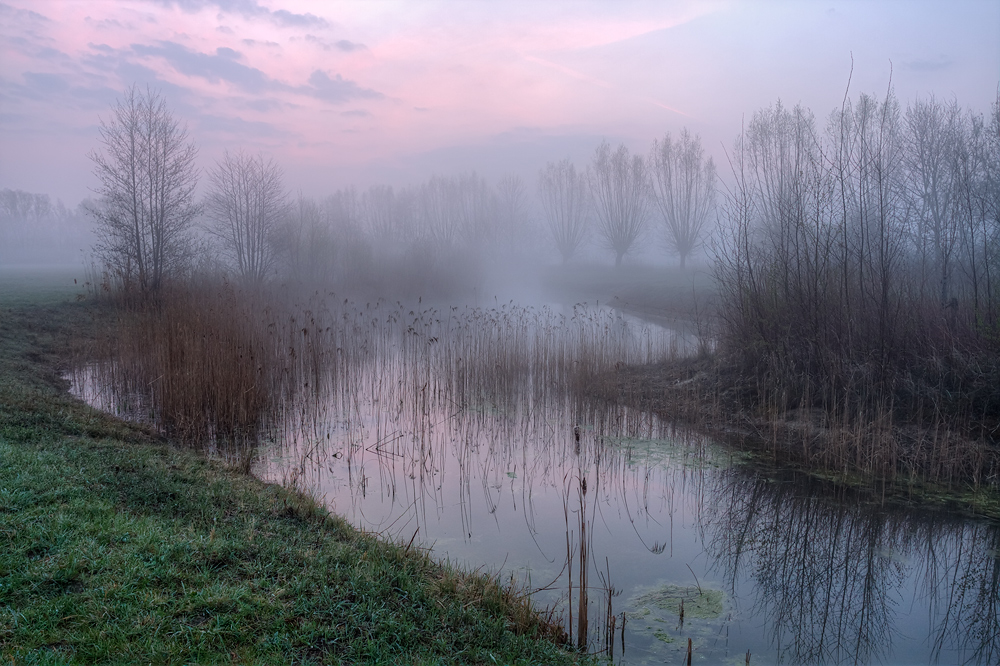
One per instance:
(378,209)
(344,211)
(146,199)
(246,204)
(307,245)
(475,204)
(511,215)
(20,216)
(20,207)
(439,220)
(684,190)
(566,202)
(456,211)
(619,187)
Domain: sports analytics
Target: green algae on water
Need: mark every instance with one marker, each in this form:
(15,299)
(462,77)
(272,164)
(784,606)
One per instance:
(703,603)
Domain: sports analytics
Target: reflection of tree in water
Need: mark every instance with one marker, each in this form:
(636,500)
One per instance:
(830,576)
(963,581)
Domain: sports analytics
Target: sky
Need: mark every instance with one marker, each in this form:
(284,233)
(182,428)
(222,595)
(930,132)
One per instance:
(360,93)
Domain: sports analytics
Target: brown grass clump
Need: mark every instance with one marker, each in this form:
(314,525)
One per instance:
(196,360)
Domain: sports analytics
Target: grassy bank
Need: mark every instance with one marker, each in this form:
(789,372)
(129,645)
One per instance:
(120,548)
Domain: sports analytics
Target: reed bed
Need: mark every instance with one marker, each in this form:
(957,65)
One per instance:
(424,411)
(196,361)
(391,390)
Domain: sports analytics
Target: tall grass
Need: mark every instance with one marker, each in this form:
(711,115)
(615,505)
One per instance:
(228,370)
(214,362)
(197,360)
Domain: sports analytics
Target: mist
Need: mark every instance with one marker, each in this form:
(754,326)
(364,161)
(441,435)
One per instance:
(683,318)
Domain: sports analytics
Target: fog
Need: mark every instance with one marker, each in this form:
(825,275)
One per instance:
(541,247)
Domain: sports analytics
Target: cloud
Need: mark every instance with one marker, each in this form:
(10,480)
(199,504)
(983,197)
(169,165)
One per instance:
(927,65)
(345,45)
(130,72)
(288,19)
(249,9)
(8,11)
(263,105)
(337,90)
(210,124)
(355,113)
(62,90)
(257,42)
(34,47)
(341,45)
(212,68)
(223,65)
(46,83)
(108,24)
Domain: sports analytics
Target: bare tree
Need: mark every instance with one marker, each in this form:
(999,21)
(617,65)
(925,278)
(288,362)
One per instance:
(869,229)
(378,208)
(684,190)
(246,204)
(565,200)
(457,211)
(307,245)
(620,190)
(439,220)
(511,215)
(934,136)
(146,194)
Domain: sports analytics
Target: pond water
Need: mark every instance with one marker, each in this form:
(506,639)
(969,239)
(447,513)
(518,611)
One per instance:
(469,432)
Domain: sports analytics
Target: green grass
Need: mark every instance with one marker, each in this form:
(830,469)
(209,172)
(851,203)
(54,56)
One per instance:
(121,548)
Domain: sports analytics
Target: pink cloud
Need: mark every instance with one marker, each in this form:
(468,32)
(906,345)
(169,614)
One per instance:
(335,87)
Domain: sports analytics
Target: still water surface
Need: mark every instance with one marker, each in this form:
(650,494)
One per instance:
(466,430)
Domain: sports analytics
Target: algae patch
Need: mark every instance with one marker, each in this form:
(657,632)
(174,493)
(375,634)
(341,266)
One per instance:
(654,619)
(661,635)
(704,604)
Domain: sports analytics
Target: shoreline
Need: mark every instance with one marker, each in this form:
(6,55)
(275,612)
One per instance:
(186,559)
(685,391)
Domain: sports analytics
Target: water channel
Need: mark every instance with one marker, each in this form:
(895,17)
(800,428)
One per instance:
(467,431)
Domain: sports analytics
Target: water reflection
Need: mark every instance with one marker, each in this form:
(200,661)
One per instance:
(466,431)
(841,580)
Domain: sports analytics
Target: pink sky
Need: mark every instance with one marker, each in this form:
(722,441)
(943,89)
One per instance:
(345,93)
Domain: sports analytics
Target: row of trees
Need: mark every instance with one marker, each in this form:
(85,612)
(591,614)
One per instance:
(619,190)
(34,229)
(861,257)
(147,207)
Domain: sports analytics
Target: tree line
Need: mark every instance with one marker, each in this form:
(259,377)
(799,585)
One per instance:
(34,229)
(859,260)
(147,210)
(827,216)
